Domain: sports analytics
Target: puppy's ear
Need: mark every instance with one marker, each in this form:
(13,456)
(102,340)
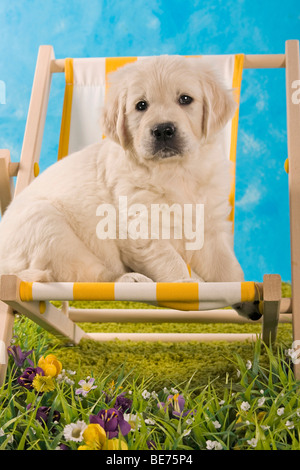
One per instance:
(113,119)
(219,105)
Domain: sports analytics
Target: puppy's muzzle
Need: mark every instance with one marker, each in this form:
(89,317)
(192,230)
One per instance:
(165,140)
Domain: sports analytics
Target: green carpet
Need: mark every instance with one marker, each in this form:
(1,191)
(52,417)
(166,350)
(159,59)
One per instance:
(164,364)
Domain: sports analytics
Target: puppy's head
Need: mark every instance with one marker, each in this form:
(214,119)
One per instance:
(163,108)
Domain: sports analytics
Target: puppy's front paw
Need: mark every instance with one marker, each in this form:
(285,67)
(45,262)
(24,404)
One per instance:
(248,310)
(134,277)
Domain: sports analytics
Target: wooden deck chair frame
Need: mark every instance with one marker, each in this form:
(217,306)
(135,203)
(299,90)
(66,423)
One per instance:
(62,322)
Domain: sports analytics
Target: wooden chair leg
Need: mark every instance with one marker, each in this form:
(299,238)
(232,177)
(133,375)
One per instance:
(271,307)
(6,329)
(293,123)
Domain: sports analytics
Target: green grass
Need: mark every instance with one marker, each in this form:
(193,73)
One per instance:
(242,395)
(166,363)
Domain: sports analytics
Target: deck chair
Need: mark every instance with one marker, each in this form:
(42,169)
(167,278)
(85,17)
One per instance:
(182,302)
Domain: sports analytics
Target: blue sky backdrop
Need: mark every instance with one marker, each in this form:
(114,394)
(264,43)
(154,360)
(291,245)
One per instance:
(93,28)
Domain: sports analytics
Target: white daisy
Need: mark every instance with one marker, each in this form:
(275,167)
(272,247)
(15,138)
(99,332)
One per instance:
(63,377)
(10,436)
(145,394)
(252,442)
(261,401)
(290,424)
(134,420)
(216,424)
(245,406)
(218,446)
(190,420)
(213,445)
(149,421)
(74,431)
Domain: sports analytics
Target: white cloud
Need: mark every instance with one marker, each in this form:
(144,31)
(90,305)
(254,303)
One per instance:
(251,144)
(278,134)
(10,145)
(251,197)
(153,23)
(255,90)
(60,27)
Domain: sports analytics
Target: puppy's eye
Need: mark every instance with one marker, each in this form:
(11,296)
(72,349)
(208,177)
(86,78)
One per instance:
(141,106)
(185,99)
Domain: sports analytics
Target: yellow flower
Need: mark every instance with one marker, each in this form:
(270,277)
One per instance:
(112,386)
(261,415)
(50,365)
(116,444)
(43,383)
(95,439)
(175,403)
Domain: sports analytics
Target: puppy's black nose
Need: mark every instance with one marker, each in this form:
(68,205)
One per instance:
(164,131)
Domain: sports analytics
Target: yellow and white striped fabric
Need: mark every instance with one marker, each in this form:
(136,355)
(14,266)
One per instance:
(180,296)
(86,81)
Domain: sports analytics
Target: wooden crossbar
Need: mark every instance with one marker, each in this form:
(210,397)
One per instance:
(184,296)
(254,61)
(32,299)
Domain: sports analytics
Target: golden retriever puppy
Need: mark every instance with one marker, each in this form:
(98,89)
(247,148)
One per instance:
(87,217)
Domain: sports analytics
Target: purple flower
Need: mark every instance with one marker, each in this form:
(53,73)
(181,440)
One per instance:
(62,447)
(175,404)
(111,421)
(107,398)
(85,387)
(28,375)
(43,412)
(151,445)
(19,356)
(123,403)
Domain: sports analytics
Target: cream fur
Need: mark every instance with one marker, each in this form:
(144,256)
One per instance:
(49,230)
